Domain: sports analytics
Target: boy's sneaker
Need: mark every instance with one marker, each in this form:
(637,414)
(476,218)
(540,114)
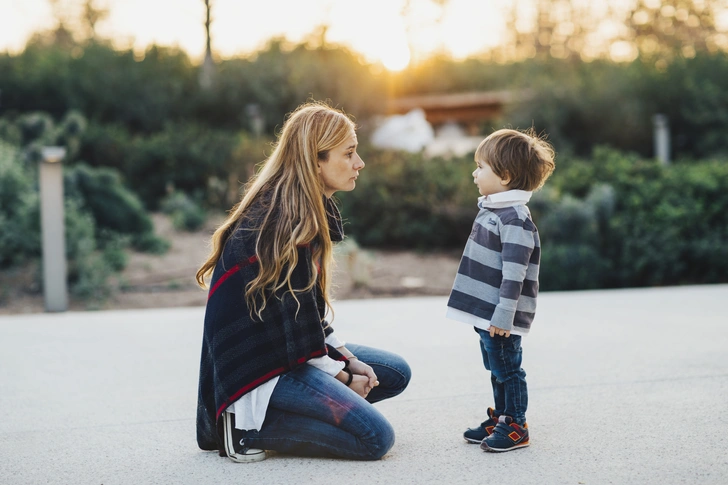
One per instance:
(235,448)
(506,436)
(476,435)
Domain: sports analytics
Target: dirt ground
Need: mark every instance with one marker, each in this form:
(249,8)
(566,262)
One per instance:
(162,281)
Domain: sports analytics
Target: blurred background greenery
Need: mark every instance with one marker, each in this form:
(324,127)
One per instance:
(157,130)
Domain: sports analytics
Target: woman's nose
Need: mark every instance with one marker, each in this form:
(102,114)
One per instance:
(360,163)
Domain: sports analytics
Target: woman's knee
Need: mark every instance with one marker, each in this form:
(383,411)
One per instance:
(404,372)
(380,440)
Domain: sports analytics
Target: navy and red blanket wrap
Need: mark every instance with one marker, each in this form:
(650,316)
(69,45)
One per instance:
(240,351)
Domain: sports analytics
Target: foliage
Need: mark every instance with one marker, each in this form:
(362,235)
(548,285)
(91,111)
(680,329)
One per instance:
(101,215)
(106,85)
(608,217)
(661,225)
(571,30)
(278,78)
(180,156)
(144,94)
(20,238)
(19,216)
(584,105)
(611,220)
(403,200)
(113,206)
(187,215)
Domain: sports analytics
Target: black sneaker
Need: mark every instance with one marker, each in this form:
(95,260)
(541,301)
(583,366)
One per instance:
(506,436)
(235,448)
(476,435)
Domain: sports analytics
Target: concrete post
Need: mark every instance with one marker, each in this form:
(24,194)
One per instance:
(53,230)
(662,138)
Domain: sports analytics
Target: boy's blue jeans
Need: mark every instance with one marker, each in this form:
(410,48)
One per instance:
(502,357)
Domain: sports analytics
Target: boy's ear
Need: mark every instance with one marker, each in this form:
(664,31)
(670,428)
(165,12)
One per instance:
(506,179)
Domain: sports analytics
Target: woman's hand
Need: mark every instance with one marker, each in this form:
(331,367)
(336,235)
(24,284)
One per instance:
(359,368)
(360,385)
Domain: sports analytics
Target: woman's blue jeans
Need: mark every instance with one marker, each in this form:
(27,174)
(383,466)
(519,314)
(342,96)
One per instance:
(311,413)
(502,357)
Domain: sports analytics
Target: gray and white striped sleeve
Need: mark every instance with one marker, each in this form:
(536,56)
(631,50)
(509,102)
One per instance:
(517,238)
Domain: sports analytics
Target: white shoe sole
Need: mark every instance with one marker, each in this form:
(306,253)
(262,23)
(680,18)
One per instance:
(250,456)
(489,449)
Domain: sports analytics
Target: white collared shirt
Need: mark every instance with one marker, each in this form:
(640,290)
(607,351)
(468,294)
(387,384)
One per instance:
(509,198)
(251,408)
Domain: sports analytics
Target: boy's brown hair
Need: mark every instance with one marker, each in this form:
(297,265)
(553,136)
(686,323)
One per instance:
(523,157)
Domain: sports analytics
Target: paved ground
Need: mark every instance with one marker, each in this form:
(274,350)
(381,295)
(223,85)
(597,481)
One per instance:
(625,387)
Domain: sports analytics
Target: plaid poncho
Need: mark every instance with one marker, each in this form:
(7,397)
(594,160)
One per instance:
(240,352)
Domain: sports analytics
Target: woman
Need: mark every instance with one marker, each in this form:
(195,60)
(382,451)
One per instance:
(273,374)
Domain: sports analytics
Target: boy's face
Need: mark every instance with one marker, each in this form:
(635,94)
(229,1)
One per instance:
(487,181)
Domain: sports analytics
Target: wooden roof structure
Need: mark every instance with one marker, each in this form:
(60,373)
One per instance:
(469,109)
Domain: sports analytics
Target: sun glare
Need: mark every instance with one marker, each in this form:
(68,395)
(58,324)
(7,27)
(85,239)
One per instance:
(393,33)
(396,59)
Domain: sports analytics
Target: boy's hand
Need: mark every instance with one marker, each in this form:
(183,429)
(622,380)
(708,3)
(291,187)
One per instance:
(499,331)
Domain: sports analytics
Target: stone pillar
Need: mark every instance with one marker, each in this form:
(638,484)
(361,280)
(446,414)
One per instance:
(662,138)
(53,232)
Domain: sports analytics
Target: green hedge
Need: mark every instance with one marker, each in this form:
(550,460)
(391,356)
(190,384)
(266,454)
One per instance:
(405,201)
(182,156)
(101,215)
(580,104)
(611,220)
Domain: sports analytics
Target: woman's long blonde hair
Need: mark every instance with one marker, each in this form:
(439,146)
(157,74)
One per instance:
(294,213)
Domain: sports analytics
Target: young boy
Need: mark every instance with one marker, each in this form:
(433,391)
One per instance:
(497,282)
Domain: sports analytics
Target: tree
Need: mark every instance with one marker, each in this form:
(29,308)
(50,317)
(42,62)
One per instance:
(92,15)
(665,29)
(567,29)
(207,73)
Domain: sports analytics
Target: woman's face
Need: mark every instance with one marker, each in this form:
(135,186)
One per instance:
(340,171)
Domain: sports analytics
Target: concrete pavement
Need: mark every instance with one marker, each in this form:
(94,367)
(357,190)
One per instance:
(625,386)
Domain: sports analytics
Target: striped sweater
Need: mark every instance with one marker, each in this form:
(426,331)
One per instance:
(497,281)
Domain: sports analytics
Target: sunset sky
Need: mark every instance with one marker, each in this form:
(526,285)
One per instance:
(375,28)
(392,32)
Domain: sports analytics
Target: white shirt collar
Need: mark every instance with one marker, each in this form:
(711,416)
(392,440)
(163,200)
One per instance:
(509,198)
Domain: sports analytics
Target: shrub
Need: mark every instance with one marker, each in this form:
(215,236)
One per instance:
(403,200)
(179,157)
(612,220)
(19,213)
(101,215)
(114,249)
(656,225)
(113,206)
(150,243)
(187,215)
